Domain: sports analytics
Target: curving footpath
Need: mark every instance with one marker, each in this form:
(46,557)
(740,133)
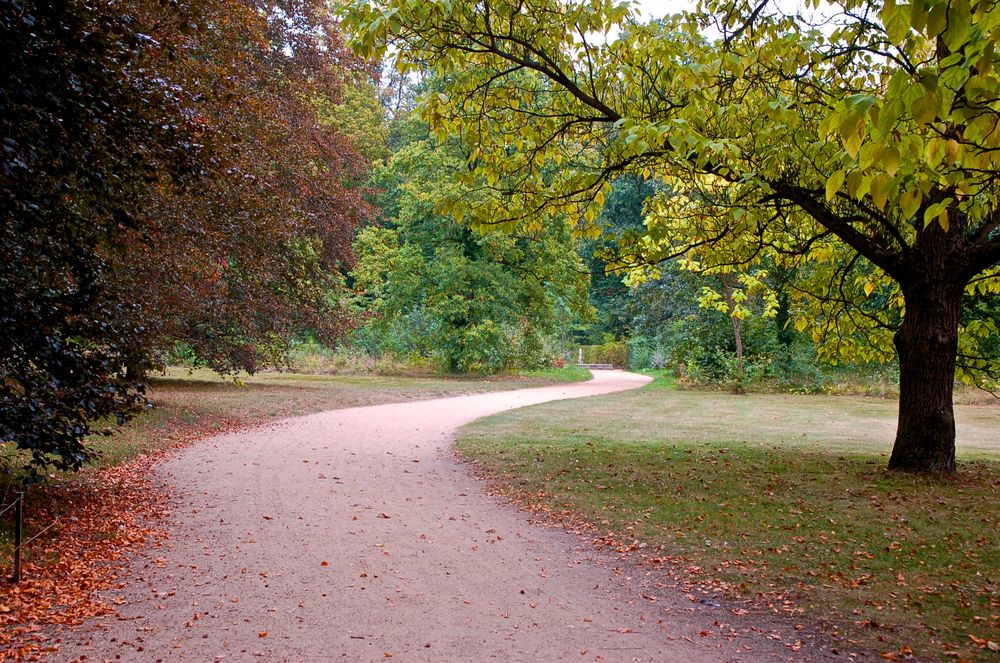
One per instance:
(352,535)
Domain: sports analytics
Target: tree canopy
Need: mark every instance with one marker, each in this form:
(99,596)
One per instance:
(86,128)
(858,147)
(165,175)
(434,287)
(252,252)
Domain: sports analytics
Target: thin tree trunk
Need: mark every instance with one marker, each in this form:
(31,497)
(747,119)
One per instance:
(927,344)
(738,336)
(727,292)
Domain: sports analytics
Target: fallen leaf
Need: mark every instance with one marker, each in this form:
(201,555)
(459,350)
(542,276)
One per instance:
(113,513)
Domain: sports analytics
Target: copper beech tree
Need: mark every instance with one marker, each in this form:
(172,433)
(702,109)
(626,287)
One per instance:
(858,150)
(253,252)
(164,175)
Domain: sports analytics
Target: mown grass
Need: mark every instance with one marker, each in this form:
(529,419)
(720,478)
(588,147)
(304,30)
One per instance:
(782,498)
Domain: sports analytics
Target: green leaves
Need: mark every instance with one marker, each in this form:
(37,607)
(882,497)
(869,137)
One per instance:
(959,22)
(896,19)
(909,202)
(785,134)
(851,130)
(925,109)
(889,158)
(440,283)
(937,19)
(834,183)
(938,212)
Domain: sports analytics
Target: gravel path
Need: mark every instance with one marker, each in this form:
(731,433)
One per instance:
(353,535)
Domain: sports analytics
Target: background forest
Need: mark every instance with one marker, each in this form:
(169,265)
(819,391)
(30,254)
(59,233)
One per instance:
(434,292)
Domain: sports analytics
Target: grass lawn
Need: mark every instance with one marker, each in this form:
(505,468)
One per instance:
(781,498)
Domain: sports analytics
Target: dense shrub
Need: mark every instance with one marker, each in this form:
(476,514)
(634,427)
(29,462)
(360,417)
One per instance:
(611,352)
(640,351)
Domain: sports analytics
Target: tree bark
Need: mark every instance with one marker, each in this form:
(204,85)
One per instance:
(727,292)
(927,344)
(135,368)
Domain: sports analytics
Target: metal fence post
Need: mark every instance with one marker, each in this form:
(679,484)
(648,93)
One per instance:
(18,529)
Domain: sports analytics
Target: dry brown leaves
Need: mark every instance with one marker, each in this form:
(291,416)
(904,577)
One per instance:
(98,518)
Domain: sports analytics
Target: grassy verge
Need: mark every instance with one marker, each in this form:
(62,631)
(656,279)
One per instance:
(784,499)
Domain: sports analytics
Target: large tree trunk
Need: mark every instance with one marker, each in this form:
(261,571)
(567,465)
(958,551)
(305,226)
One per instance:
(135,368)
(927,343)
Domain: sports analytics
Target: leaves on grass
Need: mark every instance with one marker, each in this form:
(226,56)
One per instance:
(769,530)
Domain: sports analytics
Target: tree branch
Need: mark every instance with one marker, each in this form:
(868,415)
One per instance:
(809,201)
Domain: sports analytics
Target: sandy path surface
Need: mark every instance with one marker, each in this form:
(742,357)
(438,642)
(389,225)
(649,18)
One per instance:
(353,535)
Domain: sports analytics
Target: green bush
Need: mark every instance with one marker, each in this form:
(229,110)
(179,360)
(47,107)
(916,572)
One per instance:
(612,352)
(640,350)
(182,354)
(645,352)
(796,369)
(311,357)
(741,376)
